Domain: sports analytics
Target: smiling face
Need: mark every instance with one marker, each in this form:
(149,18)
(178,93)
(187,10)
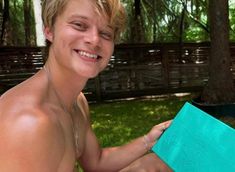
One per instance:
(81,39)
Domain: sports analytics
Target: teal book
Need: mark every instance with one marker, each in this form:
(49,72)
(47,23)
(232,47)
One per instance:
(197,142)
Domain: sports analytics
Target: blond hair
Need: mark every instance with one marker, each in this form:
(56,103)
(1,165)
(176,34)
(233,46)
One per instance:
(112,9)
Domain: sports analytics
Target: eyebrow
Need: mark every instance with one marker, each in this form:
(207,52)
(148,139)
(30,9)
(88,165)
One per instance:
(86,18)
(78,16)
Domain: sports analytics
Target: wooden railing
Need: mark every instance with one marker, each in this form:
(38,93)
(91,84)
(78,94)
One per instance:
(134,70)
(18,63)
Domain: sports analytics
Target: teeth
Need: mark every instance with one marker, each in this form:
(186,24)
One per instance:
(83,53)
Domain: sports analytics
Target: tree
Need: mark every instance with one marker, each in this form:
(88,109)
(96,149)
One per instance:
(220,87)
(159,21)
(37,15)
(5,32)
(27,5)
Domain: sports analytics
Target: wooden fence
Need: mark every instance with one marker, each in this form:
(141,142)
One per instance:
(18,63)
(134,70)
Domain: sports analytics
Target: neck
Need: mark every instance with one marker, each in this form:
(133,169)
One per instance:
(62,85)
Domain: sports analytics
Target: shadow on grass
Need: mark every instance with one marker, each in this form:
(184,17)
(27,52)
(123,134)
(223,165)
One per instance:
(117,123)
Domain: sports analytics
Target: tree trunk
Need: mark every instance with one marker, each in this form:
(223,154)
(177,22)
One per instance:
(197,6)
(27,22)
(220,87)
(37,15)
(1,17)
(137,26)
(154,22)
(6,31)
(181,31)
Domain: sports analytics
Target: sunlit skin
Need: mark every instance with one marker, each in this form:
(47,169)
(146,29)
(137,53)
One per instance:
(40,117)
(79,33)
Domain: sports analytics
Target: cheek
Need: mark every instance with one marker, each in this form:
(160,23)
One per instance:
(65,39)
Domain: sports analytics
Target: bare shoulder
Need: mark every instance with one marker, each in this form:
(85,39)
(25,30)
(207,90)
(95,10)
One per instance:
(29,138)
(26,119)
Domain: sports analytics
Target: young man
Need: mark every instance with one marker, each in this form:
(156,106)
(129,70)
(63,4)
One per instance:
(44,121)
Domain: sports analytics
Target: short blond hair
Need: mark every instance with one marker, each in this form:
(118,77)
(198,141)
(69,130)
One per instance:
(112,9)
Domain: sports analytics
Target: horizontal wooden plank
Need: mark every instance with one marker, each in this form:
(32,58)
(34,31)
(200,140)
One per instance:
(133,70)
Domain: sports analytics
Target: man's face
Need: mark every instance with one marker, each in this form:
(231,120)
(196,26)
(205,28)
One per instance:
(81,39)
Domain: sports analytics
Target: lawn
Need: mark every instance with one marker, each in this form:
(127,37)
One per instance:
(116,123)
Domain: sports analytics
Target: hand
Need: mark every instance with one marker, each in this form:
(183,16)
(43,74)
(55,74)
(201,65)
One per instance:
(156,132)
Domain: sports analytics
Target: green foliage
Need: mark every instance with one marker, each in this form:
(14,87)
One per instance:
(161,20)
(16,29)
(17,21)
(232,19)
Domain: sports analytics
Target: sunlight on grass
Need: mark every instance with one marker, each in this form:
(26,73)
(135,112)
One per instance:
(117,123)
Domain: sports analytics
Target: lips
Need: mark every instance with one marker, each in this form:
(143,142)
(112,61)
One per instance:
(88,55)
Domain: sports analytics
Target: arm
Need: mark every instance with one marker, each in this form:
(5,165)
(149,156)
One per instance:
(27,143)
(148,163)
(94,158)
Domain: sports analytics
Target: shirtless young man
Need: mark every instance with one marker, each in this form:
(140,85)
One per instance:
(44,121)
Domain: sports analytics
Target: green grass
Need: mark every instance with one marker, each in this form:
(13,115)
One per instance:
(117,123)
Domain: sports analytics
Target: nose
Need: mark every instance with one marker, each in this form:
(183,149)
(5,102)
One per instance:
(92,38)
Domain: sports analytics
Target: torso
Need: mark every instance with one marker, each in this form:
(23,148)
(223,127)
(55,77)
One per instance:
(70,151)
(73,144)
(75,132)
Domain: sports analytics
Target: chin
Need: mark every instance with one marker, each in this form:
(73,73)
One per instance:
(89,75)
(93,76)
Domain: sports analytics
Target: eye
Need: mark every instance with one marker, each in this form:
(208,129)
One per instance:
(79,26)
(107,35)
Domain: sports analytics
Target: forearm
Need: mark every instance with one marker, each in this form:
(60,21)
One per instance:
(116,158)
(94,158)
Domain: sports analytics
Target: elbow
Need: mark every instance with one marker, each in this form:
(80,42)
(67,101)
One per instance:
(95,164)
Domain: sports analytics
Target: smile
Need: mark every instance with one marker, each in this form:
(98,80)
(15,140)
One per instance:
(88,55)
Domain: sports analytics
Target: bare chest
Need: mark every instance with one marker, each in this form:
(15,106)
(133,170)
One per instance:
(74,129)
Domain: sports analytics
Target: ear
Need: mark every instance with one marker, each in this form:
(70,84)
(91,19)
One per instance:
(48,34)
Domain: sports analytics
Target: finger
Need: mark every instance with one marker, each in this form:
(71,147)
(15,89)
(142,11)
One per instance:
(162,127)
(165,125)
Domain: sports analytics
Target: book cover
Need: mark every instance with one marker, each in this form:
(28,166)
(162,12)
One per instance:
(197,142)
